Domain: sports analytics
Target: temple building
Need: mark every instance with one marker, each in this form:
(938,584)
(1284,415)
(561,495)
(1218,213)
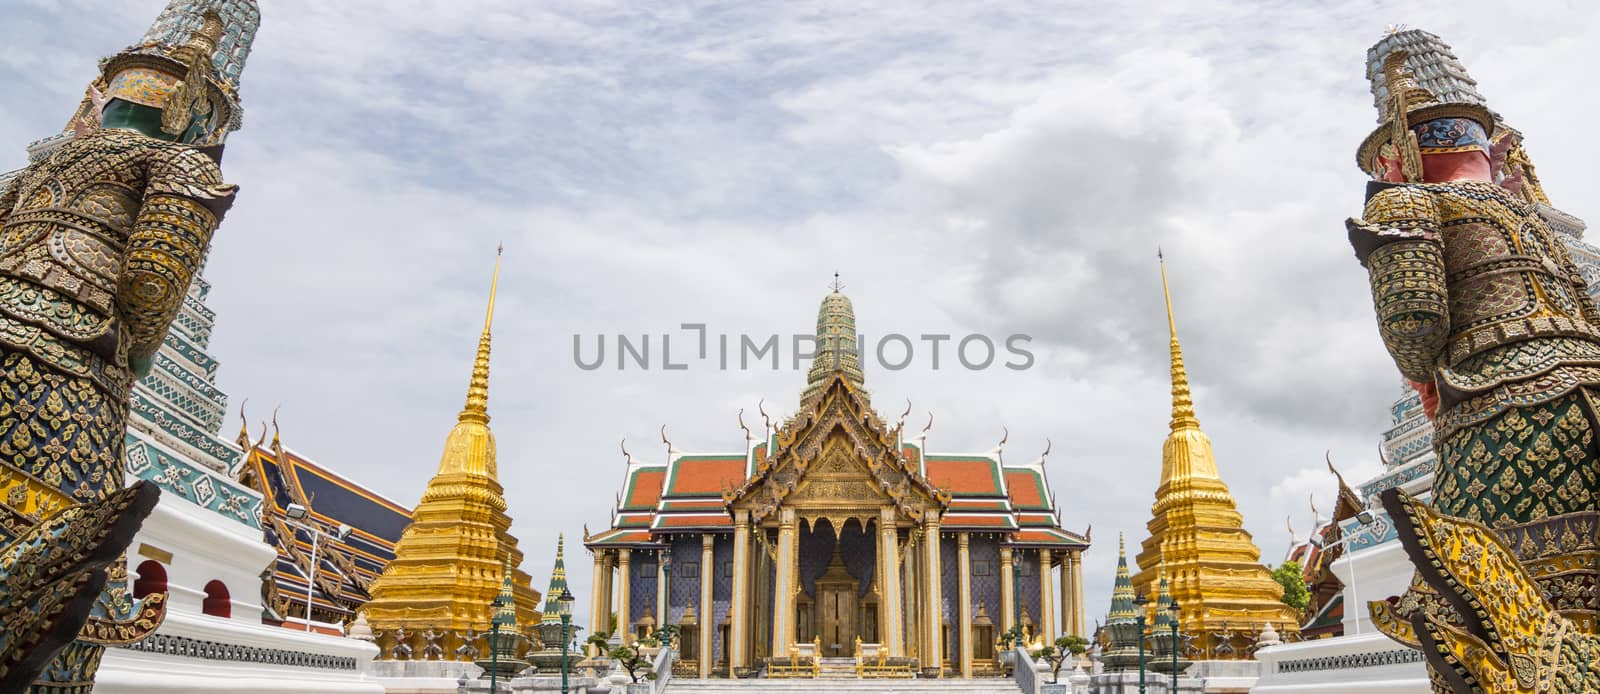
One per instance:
(326,501)
(1371,564)
(434,598)
(832,526)
(1226,596)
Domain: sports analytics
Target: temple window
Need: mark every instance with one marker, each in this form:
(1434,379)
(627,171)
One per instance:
(217,603)
(152,579)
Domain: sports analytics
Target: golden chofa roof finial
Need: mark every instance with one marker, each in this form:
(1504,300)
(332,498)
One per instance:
(1182,406)
(477,407)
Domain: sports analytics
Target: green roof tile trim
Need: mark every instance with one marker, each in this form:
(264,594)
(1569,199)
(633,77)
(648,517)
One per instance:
(175,475)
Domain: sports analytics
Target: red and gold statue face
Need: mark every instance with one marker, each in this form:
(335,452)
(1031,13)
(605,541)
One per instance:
(1453,149)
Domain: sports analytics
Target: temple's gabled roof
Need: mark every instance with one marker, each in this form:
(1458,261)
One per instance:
(345,568)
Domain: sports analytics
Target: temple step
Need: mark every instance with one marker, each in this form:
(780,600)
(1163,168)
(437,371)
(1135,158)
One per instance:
(843,686)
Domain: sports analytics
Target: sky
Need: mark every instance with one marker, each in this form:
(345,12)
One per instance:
(967,169)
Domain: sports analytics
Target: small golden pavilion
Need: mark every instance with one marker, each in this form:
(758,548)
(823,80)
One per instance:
(833,526)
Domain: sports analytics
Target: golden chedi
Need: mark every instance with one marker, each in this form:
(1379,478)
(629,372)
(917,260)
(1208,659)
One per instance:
(1225,595)
(449,564)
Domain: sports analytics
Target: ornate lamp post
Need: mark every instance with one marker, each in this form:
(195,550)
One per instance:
(1138,604)
(296,516)
(566,622)
(494,640)
(1173,608)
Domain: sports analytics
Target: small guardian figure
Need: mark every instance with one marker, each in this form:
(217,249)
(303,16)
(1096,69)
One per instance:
(468,650)
(402,645)
(431,650)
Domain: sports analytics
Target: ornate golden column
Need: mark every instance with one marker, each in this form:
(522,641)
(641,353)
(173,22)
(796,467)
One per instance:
(662,608)
(913,637)
(1008,598)
(1068,602)
(739,634)
(599,584)
(889,559)
(625,594)
(1046,605)
(708,612)
(965,604)
(933,620)
(1077,592)
(784,587)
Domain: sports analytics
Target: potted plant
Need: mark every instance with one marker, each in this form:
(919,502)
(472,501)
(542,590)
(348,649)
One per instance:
(633,660)
(1065,647)
(1006,645)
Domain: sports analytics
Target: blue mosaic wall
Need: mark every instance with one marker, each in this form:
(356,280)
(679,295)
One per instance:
(721,587)
(1028,584)
(985,552)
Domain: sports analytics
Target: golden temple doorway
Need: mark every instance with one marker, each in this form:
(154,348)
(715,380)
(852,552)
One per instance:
(836,608)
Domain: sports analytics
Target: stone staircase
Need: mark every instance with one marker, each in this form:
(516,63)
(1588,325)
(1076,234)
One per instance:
(840,685)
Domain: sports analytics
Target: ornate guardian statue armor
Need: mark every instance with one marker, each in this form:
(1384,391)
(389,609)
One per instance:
(1482,308)
(99,241)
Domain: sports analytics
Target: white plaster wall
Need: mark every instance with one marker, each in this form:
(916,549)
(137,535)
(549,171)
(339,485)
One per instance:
(205,547)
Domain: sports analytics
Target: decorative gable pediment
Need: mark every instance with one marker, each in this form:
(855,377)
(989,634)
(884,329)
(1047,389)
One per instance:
(836,455)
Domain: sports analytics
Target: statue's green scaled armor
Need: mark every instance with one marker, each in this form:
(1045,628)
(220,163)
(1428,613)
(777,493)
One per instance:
(99,242)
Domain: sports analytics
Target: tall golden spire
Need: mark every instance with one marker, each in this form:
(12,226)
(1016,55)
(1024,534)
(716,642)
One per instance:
(1197,537)
(470,446)
(458,553)
(477,407)
(1182,406)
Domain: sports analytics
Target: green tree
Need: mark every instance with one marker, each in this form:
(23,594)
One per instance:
(1292,578)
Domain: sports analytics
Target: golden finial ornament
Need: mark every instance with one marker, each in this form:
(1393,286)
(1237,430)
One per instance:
(1183,416)
(1404,94)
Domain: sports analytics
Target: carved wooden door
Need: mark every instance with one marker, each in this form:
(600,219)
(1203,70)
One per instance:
(837,619)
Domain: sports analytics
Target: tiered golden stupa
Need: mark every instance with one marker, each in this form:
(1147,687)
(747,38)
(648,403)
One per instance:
(1224,593)
(449,563)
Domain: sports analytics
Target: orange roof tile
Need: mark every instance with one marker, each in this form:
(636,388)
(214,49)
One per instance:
(962,520)
(1027,490)
(694,521)
(644,489)
(704,475)
(964,475)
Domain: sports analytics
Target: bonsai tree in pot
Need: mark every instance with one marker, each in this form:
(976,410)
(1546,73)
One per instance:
(1065,647)
(633,660)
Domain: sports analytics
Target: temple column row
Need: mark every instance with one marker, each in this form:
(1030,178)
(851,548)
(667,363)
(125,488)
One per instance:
(1008,587)
(624,594)
(740,609)
(708,610)
(1072,592)
(1046,609)
(784,588)
(965,635)
(932,617)
(662,608)
(889,569)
